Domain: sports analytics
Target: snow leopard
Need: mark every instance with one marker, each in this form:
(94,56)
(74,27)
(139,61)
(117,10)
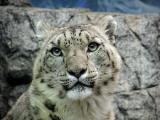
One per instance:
(74,74)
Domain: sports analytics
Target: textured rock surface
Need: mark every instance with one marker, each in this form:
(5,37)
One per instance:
(138,41)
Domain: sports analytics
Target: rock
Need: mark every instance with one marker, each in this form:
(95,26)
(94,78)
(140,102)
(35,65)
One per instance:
(138,104)
(138,42)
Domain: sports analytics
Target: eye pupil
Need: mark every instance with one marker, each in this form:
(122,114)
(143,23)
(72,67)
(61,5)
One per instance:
(56,51)
(93,47)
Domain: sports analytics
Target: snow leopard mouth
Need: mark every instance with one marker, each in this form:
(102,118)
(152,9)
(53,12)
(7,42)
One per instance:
(79,85)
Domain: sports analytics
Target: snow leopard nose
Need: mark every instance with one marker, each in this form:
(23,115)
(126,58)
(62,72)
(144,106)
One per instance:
(76,62)
(77,73)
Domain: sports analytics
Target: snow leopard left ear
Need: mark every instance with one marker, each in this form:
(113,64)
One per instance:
(109,26)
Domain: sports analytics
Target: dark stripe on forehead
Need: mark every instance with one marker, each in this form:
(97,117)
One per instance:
(58,42)
(80,32)
(64,34)
(87,37)
(74,31)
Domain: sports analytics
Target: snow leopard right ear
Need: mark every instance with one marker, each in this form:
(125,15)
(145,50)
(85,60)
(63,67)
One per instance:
(108,25)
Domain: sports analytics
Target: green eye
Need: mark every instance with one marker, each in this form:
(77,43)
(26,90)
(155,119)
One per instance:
(56,51)
(93,46)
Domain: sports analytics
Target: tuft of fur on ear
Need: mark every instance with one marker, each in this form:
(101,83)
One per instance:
(108,25)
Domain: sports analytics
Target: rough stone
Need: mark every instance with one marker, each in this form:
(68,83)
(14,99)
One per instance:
(137,96)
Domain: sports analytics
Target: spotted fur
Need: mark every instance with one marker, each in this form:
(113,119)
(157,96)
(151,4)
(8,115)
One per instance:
(74,74)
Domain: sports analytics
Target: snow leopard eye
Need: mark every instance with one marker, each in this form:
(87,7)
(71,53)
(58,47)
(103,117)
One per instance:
(93,46)
(56,51)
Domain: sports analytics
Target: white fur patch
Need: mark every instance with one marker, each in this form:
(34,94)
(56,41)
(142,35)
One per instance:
(71,77)
(84,76)
(78,94)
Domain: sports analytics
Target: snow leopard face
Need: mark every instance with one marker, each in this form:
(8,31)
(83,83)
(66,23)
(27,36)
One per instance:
(78,62)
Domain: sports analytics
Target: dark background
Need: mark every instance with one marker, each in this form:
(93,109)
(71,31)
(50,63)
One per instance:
(122,6)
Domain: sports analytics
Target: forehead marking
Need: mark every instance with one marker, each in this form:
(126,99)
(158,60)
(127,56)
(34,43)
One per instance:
(68,34)
(80,32)
(72,36)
